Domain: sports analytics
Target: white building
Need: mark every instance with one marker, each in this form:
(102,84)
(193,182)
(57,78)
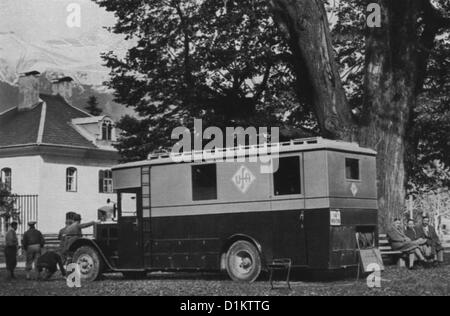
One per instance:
(57,152)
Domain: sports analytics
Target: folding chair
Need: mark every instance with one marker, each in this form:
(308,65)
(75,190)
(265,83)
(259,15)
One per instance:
(281,264)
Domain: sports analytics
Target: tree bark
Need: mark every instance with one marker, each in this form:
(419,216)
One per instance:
(390,85)
(390,96)
(305,25)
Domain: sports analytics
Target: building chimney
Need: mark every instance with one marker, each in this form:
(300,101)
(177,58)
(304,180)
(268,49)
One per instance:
(28,90)
(63,87)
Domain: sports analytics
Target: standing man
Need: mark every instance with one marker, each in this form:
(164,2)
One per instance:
(11,247)
(32,243)
(428,232)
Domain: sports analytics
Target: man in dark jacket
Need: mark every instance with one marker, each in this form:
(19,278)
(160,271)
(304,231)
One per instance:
(400,242)
(50,262)
(11,247)
(33,241)
(428,232)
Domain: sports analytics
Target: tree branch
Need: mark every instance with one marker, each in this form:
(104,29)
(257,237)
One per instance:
(263,86)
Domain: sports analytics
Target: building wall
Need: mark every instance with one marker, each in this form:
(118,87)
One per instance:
(25,173)
(55,201)
(46,177)
(25,176)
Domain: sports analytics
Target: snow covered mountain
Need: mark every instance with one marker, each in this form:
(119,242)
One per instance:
(79,58)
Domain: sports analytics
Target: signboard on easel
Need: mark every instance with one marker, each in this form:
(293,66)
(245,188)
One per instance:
(369,258)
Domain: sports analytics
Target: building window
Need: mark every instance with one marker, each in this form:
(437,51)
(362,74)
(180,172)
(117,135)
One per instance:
(6,178)
(204,182)
(107,130)
(71,179)
(287,180)
(105,181)
(352,169)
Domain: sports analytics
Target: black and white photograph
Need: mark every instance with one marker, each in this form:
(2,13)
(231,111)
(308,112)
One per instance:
(224,154)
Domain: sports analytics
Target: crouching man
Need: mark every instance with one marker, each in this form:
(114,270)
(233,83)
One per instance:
(49,263)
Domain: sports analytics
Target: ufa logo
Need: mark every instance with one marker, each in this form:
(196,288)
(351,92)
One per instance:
(243,179)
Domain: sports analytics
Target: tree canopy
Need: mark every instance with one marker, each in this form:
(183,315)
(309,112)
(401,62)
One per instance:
(429,128)
(309,64)
(223,62)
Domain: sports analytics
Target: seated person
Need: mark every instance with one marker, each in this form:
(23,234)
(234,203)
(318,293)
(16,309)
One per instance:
(49,263)
(400,242)
(63,233)
(413,234)
(428,232)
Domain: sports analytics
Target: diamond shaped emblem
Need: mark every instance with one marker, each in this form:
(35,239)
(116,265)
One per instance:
(243,179)
(354,189)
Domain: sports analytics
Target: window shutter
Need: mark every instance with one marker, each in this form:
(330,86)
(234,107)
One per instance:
(101,176)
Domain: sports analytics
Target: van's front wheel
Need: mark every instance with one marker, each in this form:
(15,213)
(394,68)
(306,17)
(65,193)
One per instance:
(89,263)
(243,262)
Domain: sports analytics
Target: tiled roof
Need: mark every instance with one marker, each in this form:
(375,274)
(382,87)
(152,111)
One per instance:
(48,123)
(20,128)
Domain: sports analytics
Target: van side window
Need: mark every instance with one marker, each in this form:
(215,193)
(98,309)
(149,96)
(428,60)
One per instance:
(204,182)
(287,178)
(352,169)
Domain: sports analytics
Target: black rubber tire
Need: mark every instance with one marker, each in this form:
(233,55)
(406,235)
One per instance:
(90,263)
(243,262)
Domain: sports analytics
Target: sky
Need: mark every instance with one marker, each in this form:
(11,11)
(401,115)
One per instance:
(40,20)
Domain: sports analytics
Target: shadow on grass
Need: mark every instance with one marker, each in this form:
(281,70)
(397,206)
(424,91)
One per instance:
(310,276)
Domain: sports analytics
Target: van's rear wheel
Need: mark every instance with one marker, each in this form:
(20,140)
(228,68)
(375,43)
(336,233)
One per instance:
(89,263)
(243,262)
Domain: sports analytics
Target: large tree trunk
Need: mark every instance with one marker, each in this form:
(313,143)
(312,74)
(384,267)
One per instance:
(390,96)
(390,83)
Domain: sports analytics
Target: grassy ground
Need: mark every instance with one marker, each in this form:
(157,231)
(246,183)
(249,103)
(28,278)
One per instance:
(395,282)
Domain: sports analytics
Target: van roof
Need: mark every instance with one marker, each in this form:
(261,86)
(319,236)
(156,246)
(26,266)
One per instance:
(298,145)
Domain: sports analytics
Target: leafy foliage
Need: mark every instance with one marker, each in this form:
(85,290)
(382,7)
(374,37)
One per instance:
(349,43)
(223,62)
(429,134)
(8,209)
(430,137)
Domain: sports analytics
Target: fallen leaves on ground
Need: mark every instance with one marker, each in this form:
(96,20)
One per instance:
(395,282)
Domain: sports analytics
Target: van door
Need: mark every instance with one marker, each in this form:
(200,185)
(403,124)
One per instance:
(130,222)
